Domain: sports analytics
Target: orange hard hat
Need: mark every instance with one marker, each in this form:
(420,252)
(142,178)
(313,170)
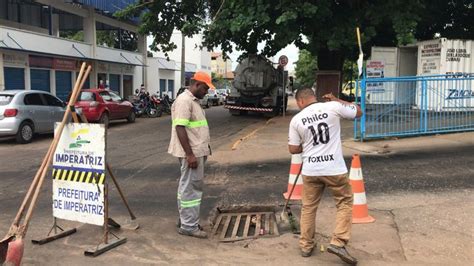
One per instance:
(203,77)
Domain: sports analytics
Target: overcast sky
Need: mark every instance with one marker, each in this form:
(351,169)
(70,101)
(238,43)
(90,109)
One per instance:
(291,51)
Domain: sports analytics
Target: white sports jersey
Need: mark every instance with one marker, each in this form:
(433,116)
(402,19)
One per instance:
(317,128)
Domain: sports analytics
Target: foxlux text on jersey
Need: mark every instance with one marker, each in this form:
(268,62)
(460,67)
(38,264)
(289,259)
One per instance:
(314,118)
(320,159)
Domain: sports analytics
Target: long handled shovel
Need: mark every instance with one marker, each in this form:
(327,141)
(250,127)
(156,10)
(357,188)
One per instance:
(12,246)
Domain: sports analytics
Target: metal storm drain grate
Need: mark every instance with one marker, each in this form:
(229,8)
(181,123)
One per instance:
(230,227)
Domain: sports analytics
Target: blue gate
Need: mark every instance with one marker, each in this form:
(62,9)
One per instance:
(39,79)
(63,84)
(162,87)
(171,88)
(14,78)
(114,82)
(409,106)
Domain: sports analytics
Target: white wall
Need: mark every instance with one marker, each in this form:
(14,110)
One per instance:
(29,41)
(193,55)
(160,68)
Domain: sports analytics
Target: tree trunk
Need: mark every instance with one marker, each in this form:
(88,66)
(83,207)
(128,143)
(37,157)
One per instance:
(329,78)
(330,60)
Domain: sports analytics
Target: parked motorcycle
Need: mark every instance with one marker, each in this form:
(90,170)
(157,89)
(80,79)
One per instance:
(167,102)
(144,105)
(157,103)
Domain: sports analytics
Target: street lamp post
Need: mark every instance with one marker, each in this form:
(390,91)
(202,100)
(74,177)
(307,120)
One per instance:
(183,53)
(183,60)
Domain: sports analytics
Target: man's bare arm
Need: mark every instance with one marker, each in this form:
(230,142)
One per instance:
(331,97)
(295,149)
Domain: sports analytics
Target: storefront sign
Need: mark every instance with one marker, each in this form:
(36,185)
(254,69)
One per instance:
(15,59)
(102,67)
(41,61)
(64,64)
(115,68)
(128,69)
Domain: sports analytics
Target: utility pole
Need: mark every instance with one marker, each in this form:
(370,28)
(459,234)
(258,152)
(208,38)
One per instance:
(225,72)
(183,60)
(183,52)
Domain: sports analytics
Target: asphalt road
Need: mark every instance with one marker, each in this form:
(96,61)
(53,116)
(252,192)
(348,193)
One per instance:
(148,175)
(137,153)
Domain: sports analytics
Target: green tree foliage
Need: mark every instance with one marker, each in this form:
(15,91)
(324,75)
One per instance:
(305,68)
(125,40)
(326,28)
(452,19)
(72,35)
(160,18)
(349,70)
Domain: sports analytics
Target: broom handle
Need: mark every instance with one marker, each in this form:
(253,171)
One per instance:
(21,211)
(59,131)
(120,192)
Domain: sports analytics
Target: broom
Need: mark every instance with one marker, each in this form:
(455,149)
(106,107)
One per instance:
(12,246)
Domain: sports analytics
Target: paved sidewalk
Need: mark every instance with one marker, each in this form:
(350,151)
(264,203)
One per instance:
(416,227)
(275,132)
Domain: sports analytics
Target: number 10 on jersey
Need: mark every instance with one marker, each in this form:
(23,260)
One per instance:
(321,135)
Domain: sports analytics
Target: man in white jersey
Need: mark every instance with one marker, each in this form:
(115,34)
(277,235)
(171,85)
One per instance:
(316,133)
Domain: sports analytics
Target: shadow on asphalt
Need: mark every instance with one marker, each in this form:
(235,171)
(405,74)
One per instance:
(412,171)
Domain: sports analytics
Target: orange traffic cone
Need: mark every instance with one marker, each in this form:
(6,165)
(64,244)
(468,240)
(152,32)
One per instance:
(296,163)
(360,211)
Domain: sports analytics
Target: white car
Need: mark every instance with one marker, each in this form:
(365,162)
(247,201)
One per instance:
(215,98)
(26,113)
(205,101)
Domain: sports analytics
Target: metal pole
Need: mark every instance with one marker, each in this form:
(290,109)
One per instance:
(120,38)
(362,104)
(183,58)
(50,20)
(106,213)
(225,73)
(284,92)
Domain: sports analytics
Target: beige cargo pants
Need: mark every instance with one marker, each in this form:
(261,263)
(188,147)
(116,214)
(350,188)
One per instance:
(313,188)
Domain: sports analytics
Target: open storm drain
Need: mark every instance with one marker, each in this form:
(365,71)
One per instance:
(230,227)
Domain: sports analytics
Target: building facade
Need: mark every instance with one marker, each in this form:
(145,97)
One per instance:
(44,42)
(196,59)
(220,66)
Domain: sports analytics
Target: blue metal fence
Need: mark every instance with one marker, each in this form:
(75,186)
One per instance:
(408,106)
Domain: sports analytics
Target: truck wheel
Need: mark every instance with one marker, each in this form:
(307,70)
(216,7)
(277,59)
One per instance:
(275,112)
(234,112)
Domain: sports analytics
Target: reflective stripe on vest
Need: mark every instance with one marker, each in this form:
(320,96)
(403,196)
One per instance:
(189,124)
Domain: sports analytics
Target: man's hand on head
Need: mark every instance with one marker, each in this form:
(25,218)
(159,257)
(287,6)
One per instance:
(330,97)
